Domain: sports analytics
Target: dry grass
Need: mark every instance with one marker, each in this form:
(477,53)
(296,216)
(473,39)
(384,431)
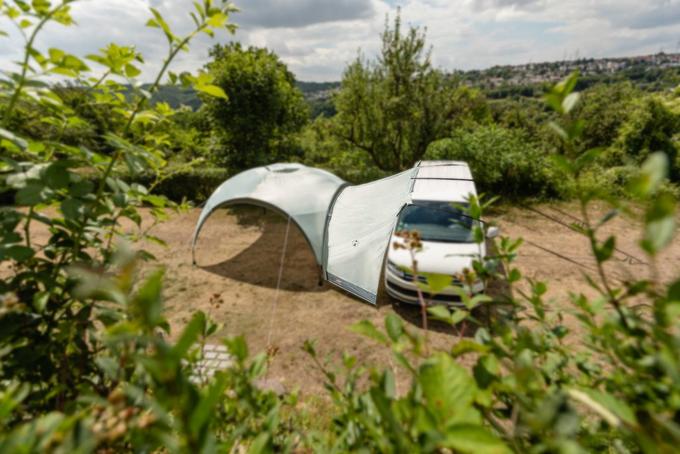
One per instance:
(238,261)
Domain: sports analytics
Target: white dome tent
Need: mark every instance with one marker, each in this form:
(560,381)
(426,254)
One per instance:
(299,192)
(347,227)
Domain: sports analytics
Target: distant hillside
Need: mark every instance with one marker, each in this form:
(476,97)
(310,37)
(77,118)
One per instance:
(650,72)
(317,94)
(319,97)
(313,90)
(177,96)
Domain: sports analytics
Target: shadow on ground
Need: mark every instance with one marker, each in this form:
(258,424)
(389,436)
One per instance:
(300,272)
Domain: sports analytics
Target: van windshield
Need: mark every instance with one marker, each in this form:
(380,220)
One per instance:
(437,221)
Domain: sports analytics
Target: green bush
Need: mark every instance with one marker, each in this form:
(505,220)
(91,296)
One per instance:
(323,149)
(503,162)
(605,108)
(193,184)
(653,124)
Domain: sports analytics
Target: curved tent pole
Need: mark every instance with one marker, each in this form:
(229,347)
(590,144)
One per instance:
(324,243)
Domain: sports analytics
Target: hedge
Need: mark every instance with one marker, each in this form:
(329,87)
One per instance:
(194,185)
(503,162)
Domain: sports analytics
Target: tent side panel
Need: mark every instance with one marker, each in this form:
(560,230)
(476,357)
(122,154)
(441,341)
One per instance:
(359,230)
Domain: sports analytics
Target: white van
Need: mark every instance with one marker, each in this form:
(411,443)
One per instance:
(441,190)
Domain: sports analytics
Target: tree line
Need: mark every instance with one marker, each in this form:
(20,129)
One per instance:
(388,113)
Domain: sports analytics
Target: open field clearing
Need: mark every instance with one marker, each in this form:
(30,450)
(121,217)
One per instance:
(238,256)
(238,260)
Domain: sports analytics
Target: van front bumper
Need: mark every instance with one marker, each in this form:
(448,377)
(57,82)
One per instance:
(401,286)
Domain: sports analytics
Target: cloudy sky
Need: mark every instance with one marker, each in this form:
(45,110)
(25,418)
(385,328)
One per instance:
(316,38)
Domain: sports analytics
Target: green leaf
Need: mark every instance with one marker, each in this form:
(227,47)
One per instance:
(212,90)
(132,71)
(56,55)
(559,130)
(16,252)
(189,335)
(468,346)
(237,346)
(473,439)
(437,282)
(554,101)
(41,6)
(458,316)
(217,20)
(448,390)
(31,194)
(366,328)
(659,223)
(261,444)
(486,370)
(40,301)
(611,409)
(604,251)
(147,305)
(674,291)
(568,84)
(73,209)
(394,326)
(439,312)
(570,102)
(56,175)
(159,22)
(652,174)
(16,140)
(202,413)
(514,275)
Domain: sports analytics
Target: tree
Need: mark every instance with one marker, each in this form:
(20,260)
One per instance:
(604,109)
(256,125)
(504,161)
(653,125)
(393,108)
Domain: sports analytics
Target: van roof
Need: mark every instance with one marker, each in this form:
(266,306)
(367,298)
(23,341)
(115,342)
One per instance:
(445,181)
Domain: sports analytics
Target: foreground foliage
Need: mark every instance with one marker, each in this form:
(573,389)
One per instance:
(85,364)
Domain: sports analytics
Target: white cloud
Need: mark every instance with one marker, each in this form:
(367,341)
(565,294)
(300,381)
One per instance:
(317,38)
(300,13)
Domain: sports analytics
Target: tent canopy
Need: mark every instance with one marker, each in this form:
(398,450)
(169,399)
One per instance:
(297,191)
(348,227)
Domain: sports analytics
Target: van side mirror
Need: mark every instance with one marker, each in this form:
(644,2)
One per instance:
(492,232)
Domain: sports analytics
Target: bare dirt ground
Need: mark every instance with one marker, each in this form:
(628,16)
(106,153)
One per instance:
(238,258)
(239,253)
